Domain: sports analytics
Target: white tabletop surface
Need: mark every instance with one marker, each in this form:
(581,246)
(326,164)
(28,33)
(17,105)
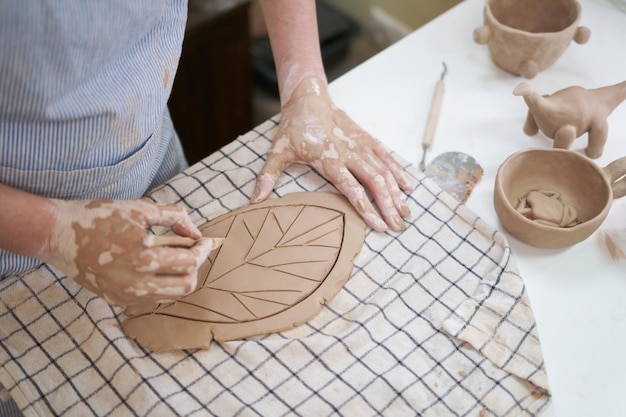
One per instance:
(578,294)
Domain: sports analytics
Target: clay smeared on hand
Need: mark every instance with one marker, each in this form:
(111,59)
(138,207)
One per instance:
(105,246)
(313,131)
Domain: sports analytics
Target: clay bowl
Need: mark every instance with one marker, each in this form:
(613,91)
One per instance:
(582,185)
(527,36)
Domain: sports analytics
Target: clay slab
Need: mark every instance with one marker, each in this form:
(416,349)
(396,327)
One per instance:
(280,261)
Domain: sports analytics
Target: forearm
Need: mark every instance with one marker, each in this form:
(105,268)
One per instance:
(26,221)
(292,28)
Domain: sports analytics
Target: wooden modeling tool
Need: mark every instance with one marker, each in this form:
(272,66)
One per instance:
(152,241)
(433,117)
(455,172)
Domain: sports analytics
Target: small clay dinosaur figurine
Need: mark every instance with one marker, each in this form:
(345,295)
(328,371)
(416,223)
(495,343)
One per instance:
(571,112)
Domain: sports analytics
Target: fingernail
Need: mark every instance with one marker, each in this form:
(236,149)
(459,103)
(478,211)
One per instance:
(398,224)
(255,194)
(405,211)
(376,222)
(263,188)
(408,182)
(196,233)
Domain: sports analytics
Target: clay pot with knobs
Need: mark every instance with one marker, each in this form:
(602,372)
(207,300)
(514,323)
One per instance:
(527,36)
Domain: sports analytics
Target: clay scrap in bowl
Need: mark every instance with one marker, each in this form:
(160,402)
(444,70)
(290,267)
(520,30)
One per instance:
(280,261)
(527,36)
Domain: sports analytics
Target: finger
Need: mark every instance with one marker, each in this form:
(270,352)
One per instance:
(357,196)
(166,261)
(269,174)
(176,260)
(173,216)
(368,152)
(377,185)
(152,241)
(397,196)
(152,289)
(161,288)
(182,223)
(399,173)
(345,182)
(167,284)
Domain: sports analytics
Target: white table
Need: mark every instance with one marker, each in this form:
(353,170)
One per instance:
(578,294)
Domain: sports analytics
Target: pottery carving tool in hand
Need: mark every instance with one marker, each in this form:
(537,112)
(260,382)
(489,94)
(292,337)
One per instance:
(455,172)
(433,117)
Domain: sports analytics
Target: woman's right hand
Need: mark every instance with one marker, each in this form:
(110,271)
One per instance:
(105,246)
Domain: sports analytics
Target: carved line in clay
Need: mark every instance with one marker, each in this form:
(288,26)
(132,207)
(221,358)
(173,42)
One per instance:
(237,294)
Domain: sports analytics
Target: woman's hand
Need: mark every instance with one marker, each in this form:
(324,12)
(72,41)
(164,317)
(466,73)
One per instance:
(313,131)
(105,247)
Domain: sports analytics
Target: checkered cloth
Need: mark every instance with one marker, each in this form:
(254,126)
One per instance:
(434,321)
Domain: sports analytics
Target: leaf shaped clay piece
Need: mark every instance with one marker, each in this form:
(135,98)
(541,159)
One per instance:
(280,261)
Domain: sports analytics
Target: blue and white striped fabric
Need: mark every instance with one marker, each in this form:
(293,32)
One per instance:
(83,99)
(9,408)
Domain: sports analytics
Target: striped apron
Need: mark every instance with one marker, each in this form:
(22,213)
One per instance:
(83,99)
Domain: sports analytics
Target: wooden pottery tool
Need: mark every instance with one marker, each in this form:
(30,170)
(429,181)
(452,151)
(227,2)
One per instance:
(433,117)
(455,172)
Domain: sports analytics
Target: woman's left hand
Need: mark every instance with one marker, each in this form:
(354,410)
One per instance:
(313,131)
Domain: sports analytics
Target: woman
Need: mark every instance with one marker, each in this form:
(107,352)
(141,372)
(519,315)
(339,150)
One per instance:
(85,132)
